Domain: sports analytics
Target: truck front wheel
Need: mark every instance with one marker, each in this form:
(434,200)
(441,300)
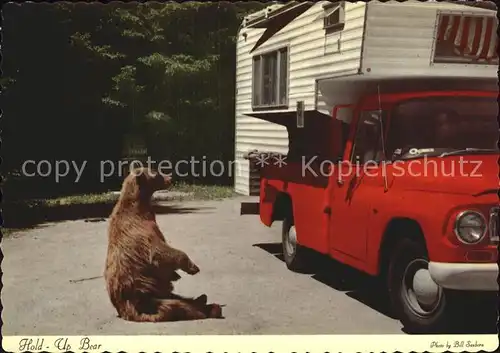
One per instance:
(417,300)
(293,253)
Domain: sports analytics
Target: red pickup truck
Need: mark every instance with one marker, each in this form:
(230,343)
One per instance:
(407,191)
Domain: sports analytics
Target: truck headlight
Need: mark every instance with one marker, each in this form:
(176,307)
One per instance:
(470,227)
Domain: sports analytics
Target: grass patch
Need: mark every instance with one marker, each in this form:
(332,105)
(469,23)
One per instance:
(186,192)
(21,215)
(6,232)
(85,199)
(203,192)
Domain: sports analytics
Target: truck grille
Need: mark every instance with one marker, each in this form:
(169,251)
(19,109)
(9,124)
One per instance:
(494,225)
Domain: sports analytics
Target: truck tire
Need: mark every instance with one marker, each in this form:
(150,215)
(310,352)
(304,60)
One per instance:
(420,304)
(293,253)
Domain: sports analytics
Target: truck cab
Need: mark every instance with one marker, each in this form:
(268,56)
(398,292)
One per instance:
(407,191)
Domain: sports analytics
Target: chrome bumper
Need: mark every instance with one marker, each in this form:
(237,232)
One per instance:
(465,276)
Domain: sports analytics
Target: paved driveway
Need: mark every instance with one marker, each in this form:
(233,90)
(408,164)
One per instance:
(50,286)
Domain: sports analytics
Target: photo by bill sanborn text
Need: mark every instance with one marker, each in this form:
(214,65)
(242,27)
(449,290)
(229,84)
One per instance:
(312,166)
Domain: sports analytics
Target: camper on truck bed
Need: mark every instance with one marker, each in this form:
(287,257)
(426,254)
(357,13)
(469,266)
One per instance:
(372,131)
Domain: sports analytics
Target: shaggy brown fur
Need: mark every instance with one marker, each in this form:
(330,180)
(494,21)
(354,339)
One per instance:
(141,266)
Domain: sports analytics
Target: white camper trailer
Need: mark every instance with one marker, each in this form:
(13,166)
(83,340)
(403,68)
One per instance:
(313,56)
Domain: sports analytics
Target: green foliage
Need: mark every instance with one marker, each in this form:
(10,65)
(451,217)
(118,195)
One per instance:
(157,116)
(6,82)
(83,41)
(91,74)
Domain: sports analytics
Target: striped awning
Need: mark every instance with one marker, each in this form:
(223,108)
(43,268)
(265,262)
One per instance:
(466,38)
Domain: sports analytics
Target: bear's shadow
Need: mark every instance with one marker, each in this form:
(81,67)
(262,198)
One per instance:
(174,209)
(29,218)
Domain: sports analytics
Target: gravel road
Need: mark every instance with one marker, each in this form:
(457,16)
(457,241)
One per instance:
(50,284)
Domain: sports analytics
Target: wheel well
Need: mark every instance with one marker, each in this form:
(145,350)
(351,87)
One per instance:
(282,206)
(396,230)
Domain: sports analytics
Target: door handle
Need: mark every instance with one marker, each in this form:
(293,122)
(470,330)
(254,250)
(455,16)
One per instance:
(328,210)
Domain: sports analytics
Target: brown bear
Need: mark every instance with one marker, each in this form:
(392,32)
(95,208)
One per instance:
(140,265)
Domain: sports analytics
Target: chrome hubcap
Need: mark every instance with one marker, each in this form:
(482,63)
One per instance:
(291,241)
(421,293)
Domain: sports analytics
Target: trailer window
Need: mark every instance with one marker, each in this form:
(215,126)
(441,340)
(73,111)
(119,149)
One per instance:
(270,80)
(479,46)
(283,78)
(333,17)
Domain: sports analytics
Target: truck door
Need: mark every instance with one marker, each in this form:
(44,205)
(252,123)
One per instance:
(354,185)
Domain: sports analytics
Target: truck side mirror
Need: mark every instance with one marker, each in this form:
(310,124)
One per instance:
(343,112)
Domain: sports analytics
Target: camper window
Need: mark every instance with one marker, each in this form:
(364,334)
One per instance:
(333,17)
(270,80)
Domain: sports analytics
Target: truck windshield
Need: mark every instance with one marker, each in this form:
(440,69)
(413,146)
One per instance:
(443,126)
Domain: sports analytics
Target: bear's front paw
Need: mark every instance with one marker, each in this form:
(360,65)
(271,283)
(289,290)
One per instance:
(192,269)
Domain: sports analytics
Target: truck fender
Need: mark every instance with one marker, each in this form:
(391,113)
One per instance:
(274,208)
(388,231)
